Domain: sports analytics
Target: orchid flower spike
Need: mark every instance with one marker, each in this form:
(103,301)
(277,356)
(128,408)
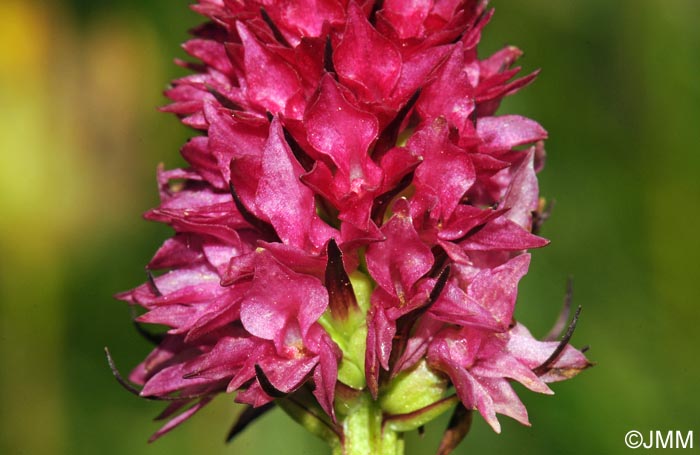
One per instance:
(351,227)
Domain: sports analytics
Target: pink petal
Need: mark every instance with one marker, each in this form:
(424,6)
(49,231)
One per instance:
(499,61)
(231,139)
(266,310)
(417,68)
(169,349)
(533,353)
(502,234)
(497,289)
(522,195)
(505,401)
(407,16)
(464,219)
(286,375)
(180,317)
(210,52)
(450,94)
(454,306)
(503,365)
(446,172)
(448,355)
(400,260)
(281,197)
(508,131)
(180,418)
(380,333)
(355,58)
(224,311)
(272,83)
(178,251)
(295,20)
(342,132)
(196,153)
(326,375)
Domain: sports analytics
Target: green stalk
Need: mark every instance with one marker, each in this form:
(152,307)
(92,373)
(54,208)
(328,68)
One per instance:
(364,433)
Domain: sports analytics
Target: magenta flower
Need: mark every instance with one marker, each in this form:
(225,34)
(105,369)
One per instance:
(352,226)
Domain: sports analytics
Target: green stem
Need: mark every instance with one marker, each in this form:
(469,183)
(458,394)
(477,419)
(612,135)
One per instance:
(365,434)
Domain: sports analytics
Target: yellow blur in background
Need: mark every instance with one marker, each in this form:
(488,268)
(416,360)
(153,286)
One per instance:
(80,139)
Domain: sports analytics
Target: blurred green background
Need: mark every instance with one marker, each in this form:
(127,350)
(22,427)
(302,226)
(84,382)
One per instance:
(80,139)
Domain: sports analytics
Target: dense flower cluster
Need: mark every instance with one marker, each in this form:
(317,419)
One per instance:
(353,213)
